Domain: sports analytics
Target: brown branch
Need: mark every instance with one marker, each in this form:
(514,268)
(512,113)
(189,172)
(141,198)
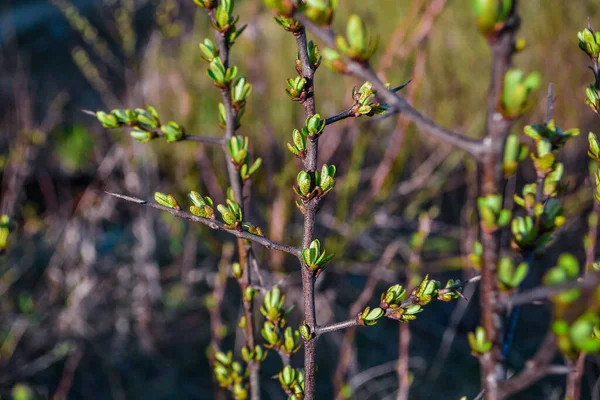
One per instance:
(192,138)
(310,166)
(216,225)
(397,103)
(408,302)
(586,283)
(535,369)
(235,181)
(502,45)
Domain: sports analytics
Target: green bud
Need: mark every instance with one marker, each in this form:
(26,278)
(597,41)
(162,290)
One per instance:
(357,44)
(491,14)
(314,125)
(227,215)
(249,294)
(592,98)
(142,136)
(148,118)
(287,378)
(370,316)
(594,148)
(269,333)
(510,277)
(237,270)
(108,121)
(240,92)
(125,116)
(306,332)
(319,11)
(517,93)
(260,354)
(209,50)
(478,342)
(392,297)
(173,132)
(305,184)
(291,341)
(166,200)
(589,42)
(289,24)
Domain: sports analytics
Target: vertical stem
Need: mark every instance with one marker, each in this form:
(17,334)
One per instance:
(497,128)
(310,166)
(236,185)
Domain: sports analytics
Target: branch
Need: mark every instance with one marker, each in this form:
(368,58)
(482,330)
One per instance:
(216,225)
(397,103)
(310,166)
(186,137)
(410,301)
(587,282)
(535,369)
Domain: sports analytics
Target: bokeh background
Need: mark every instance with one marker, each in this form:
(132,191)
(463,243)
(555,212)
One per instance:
(105,300)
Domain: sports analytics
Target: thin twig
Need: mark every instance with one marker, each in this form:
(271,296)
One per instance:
(187,137)
(408,302)
(216,225)
(397,103)
(235,181)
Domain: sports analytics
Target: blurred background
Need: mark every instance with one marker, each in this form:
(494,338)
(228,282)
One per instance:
(100,299)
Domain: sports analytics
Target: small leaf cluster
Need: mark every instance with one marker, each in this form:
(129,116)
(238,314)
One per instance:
(166,200)
(366,101)
(314,257)
(231,375)
(315,185)
(292,382)
(201,206)
(493,216)
(580,336)
(548,139)
(258,354)
(509,276)
(145,123)
(478,342)
(224,21)
(319,11)
(574,333)
(514,152)
(357,45)
(517,94)
(311,131)
(314,57)
(589,42)
(392,300)
(491,14)
(231,214)
(4,231)
(566,269)
(278,335)
(238,151)
(594,154)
